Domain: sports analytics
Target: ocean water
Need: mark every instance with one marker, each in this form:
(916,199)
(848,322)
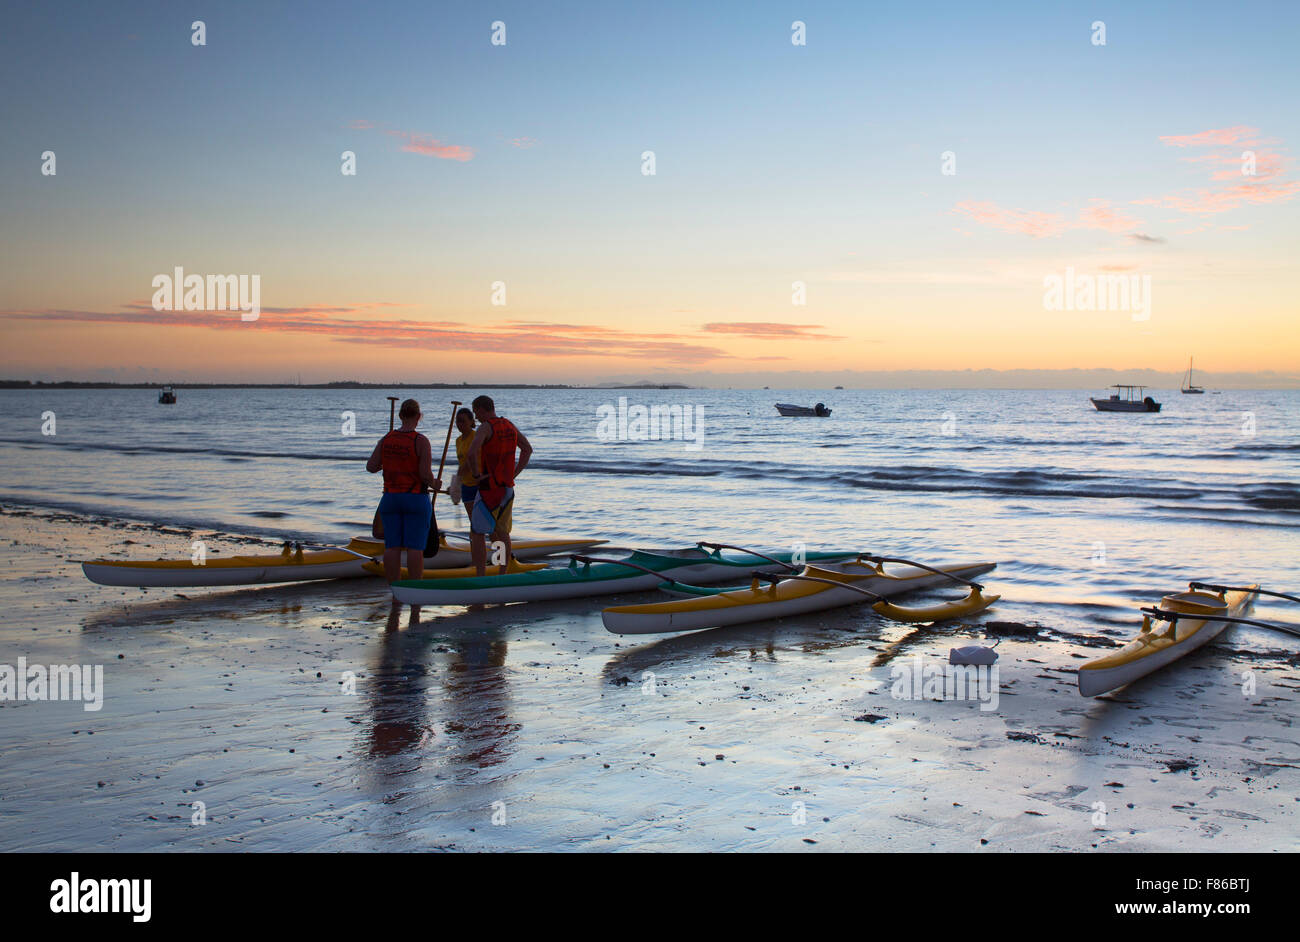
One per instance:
(1080,508)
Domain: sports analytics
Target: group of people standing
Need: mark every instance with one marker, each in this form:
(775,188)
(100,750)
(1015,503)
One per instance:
(489,456)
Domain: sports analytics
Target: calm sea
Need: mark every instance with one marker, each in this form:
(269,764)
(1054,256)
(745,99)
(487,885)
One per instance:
(1079,507)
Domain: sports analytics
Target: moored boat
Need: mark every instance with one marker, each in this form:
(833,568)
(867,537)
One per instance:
(167,396)
(788,409)
(1188,388)
(1127,399)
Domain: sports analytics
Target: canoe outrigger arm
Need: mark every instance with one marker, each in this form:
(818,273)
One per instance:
(740,549)
(973,603)
(1231,588)
(339,549)
(1172,617)
(588,560)
(908,562)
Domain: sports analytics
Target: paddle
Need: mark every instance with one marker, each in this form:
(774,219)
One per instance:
(431,544)
(377,525)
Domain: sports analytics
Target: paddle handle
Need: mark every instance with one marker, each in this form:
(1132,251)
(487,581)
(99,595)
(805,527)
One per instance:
(442,463)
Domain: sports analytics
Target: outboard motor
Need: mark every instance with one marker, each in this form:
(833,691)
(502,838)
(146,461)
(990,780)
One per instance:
(820,409)
(1150,404)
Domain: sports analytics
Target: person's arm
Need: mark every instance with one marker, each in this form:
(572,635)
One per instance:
(525,452)
(424,459)
(376,462)
(476,447)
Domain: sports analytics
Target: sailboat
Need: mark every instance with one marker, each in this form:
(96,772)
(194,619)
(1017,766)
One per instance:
(1187,384)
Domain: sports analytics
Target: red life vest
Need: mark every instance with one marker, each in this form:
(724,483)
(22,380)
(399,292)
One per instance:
(401,463)
(497,458)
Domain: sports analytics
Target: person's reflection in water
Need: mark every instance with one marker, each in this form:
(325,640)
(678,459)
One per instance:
(398,687)
(478,703)
(471,727)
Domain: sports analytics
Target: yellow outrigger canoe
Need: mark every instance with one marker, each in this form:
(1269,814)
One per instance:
(812,589)
(1161,641)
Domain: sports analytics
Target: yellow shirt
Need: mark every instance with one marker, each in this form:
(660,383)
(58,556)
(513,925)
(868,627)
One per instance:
(462,457)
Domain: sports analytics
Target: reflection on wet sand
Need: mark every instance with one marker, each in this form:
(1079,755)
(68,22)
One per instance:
(462,716)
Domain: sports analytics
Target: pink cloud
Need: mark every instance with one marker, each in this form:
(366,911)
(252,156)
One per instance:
(1098,215)
(1235,135)
(1021,221)
(423,144)
(1264,187)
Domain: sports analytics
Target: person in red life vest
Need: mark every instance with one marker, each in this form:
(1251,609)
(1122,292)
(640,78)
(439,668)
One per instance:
(406,458)
(492,456)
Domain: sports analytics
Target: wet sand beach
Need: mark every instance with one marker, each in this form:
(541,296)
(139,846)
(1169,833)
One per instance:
(530,727)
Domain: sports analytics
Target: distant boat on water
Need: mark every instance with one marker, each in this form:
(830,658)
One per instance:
(786,408)
(1187,386)
(167,396)
(1127,399)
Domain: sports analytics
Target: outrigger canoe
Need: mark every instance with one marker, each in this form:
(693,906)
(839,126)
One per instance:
(357,559)
(1161,642)
(579,580)
(713,608)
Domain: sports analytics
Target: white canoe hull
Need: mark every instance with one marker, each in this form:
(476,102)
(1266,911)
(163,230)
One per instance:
(700,613)
(212,576)
(315,566)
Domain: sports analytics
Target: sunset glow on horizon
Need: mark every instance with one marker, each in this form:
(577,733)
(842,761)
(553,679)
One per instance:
(889,196)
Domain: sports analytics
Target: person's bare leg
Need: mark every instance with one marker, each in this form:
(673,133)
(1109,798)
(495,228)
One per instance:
(393,564)
(503,538)
(415,564)
(478,553)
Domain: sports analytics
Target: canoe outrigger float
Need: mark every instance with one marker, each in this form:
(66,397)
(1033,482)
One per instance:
(642,570)
(296,563)
(810,589)
(1181,623)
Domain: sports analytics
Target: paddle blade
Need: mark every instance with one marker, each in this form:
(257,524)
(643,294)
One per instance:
(970,605)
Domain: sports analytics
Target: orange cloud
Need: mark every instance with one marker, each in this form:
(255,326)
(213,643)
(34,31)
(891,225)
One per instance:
(767,331)
(523,338)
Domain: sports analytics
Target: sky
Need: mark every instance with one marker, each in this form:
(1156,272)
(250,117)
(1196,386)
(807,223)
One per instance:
(799,219)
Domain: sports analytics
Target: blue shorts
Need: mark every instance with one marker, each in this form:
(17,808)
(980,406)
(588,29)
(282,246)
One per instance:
(406,520)
(468,494)
(484,519)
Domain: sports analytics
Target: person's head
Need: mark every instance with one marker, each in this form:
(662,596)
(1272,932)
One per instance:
(409,412)
(484,408)
(465,420)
